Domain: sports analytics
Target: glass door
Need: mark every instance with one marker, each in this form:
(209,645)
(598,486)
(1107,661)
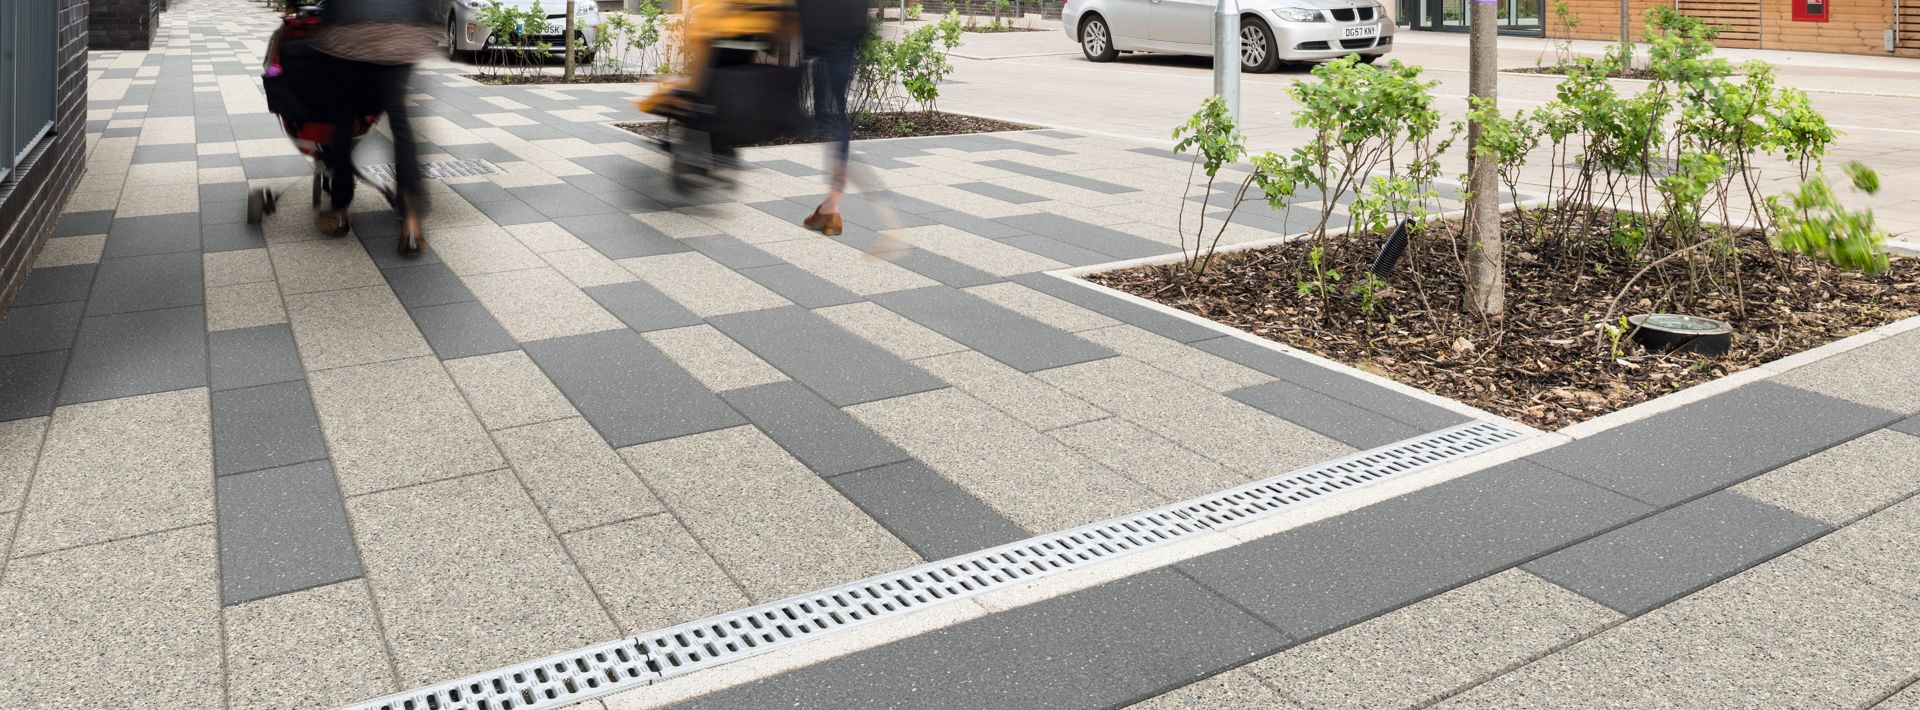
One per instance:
(1517,17)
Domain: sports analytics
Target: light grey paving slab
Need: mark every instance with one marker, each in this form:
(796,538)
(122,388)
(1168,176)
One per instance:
(323,265)
(1307,582)
(67,251)
(20,441)
(772,524)
(642,307)
(846,266)
(282,530)
(1708,445)
(1904,700)
(652,574)
(265,427)
(1151,320)
(319,647)
(814,431)
(926,511)
(352,327)
(244,306)
(37,329)
(1236,689)
(841,367)
(1166,468)
(398,423)
(482,249)
(151,630)
(713,359)
(702,285)
(1673,553)
(508,390)
(1885,375)
(426,285)
(575,479)
(628,389)
(459,330)
(441,620)
(1036,403)
(1197,366)
(1337,420)
(1101,647)
(1020,342)
(145,283)
(1877,549)
(241,266)
(586,267)
(1042,307)
(892,332)
(1432,649)
(538,304)
(1846,482)
(131,354)
(800,286)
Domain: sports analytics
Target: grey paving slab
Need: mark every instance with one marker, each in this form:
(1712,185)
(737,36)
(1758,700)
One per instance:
(838,365)
(214,212)
(34,329)
(594,184)
(730,252)
(248,357)
(813,430)
(282,530)
(73,224)
(427,285)
(1116,244)
(1337,420)
(1057,250)
(56,285)
(789,167)
(510,212)
(642,307)
(1015,340)
(279,166)
(1714,443)
(319,647)
(265,427)
(1017,168)
(975,225)
(563,200)
(507,390)
(1877,549)
(1885,374)
(629,390)
(1910,425)
(942,269)
(1140,316)
(144,283)
(1086,183)
(174,153)
(935,517)
(457,330)
(223,191)
(158,234)
(137,353)
(1330,574)
(620,236)
(800,286)
(1339,386)
(1004,194)
(1676,552)
(1116,643)
(478,192)
(28,384)
(234,236)
(1844,483)
(1236,689)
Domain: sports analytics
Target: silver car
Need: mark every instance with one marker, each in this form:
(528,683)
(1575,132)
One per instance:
(1271,31)
(467,34)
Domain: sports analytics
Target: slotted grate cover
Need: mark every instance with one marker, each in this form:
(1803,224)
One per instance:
(438,171)
(632,662)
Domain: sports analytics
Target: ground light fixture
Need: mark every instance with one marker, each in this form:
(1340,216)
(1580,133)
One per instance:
(1674,332)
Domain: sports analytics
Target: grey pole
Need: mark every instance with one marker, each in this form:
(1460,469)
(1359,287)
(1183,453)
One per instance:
(1226,55)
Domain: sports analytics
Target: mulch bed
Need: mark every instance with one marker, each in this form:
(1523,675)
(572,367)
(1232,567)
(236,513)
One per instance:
(1544,365)
(893,124)
(578,78)
(990,29)
(1562,70)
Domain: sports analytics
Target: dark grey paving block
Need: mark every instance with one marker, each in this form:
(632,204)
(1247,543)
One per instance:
(1337,386)
(264,427)
(1015,340)
(222,212)
(1087,183)
(1676,552)
(76,224)
(1337,420)
(970,224)
(594,184)
(278,166)
(1053,133)
(1118,245)
(642,307)
(880,214)
(840,366)
(121,132)
(235,236)
(536,132)
(142,283)
(481,151)
(1017,168)
(1003,194)
(1910,425)
(457,330)
(1108,646)
(618,168)
(379,235)
(801,286)
(282,530)
(223,191)
(249,357)
(556,201)
(897,148)
(478,192)
(1141,316)
(935,517)
(814,431)
(137,353)
(789,167)
(630,391)
(37,329)
(941,269)
(630,201)
(789,210)
(731,253)
(159,234)
(225,160)
(427,285)
(28,383)
(981,142)
(165,153)
(1058,251)
(1708,445)
(620,236)
(507,213)
(1340,571)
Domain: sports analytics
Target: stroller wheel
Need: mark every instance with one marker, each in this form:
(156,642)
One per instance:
(256,206)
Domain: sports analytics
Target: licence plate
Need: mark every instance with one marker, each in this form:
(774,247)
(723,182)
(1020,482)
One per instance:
(1354,32)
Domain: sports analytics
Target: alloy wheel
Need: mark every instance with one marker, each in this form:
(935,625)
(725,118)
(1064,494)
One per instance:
(1094,38)
(1253,46)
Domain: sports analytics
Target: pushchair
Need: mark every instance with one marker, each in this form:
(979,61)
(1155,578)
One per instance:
(742,84)
(296,84)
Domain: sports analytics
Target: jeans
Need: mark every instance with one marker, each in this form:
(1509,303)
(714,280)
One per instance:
(832,76)
(375,89)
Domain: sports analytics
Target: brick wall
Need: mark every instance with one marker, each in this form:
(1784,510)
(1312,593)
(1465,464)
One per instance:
(38,190)
(124,24)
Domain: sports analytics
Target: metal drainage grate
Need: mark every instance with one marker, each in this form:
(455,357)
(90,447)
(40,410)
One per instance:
(632,662)
(438,171)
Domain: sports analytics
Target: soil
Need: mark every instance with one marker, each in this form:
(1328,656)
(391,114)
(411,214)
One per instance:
(542,78)
(1545,365)
(892,124)
(1562,70)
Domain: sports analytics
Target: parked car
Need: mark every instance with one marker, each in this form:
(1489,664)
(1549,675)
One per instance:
(467,34)
(1271,31)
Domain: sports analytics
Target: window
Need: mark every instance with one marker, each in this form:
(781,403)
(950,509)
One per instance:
(28,32)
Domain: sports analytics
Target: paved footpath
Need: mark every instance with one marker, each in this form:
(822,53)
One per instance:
(252,467)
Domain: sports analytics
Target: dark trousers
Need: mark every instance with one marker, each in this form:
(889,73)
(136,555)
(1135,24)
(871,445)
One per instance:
(372,89)
(832,76)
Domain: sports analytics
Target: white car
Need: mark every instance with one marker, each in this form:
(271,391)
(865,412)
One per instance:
(467,34)
(1271,31)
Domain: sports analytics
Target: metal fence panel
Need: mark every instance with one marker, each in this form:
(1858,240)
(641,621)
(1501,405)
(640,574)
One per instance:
(29,33)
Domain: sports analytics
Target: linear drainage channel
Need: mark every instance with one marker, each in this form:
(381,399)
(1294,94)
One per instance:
(437,171)
(633,662)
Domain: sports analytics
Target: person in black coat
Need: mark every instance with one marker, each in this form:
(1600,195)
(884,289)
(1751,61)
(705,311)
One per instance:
(374,44)
(831,32)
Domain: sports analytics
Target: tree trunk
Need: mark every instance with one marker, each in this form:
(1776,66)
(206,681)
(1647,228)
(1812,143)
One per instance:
(569,39)
(1487,277)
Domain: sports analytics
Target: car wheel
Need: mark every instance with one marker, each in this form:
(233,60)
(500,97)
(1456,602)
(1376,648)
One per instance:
(1096,40)
(453,42)
(1257,53)
(1369,58)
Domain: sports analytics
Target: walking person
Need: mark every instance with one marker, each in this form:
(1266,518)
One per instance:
(376,43)
(831,32)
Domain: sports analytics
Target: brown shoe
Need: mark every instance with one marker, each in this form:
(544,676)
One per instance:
(412,239)
(828,224)
(333,223)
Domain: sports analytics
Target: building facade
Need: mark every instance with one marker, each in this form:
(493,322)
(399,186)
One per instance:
(43,140)
(1869,27)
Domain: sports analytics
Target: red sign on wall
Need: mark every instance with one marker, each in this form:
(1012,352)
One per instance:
(1809,10)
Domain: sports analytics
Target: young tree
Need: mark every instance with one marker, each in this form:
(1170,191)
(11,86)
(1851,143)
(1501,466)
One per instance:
(1486,261)
(570,44)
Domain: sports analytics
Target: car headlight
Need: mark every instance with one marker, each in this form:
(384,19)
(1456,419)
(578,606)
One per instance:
(586,8)
(1298,14)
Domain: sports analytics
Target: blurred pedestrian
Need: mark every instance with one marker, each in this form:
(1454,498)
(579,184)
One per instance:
(831,32)
(376,43)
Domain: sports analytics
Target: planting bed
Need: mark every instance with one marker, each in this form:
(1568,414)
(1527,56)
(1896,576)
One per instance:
(891,124)
(545,78)
(1641,73)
